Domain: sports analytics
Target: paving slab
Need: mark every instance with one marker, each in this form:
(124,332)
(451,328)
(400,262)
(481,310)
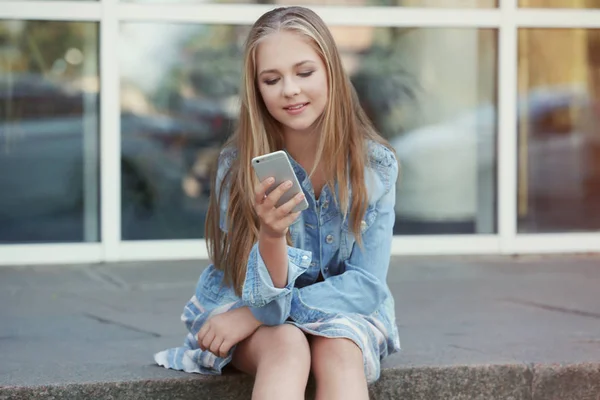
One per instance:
(471,328)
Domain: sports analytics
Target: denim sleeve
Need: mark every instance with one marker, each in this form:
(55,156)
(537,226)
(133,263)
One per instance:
(362,287)
(269,304)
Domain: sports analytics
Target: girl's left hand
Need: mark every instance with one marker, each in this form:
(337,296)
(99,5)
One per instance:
(223,331)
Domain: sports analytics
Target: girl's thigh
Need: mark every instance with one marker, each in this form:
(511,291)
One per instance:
(273,345)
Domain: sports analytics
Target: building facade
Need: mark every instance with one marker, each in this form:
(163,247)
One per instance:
(112,113)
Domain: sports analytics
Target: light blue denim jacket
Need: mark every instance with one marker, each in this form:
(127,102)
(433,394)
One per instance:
(354,278)
(353,301)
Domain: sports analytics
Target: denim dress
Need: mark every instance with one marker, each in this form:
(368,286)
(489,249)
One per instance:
(335,288)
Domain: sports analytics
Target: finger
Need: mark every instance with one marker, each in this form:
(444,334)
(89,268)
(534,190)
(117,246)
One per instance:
(261,189)
(276,194)
(289,205)
(224,349)
(208,339)
(289,219)
(201,334)
(216,345)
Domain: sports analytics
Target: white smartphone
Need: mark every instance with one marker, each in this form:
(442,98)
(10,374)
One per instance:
(278,166)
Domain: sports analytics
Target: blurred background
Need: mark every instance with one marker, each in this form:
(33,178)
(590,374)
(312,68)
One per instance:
(432,92)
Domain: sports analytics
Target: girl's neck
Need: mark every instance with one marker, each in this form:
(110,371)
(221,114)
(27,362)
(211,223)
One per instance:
(302,146)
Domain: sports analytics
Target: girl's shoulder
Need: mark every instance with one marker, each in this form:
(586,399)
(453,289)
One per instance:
(226,157)
(380,155)
(382,160)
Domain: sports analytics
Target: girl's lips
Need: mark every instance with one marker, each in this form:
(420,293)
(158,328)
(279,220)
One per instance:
(296,109)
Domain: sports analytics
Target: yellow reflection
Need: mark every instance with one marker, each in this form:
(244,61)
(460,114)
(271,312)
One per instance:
(559,92)
(560,3)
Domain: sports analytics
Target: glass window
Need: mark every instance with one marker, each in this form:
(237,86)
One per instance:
(559,130)
(559,3)
(52,0)
(48,131)
(179,86)
(431,92)
(401,3)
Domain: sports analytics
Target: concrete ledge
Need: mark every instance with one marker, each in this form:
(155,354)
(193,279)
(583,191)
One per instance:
(203,387)
(485,382)
(482,382)
(566,382)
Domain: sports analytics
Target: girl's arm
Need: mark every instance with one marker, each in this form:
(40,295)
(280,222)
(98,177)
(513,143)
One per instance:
(274,224)
(272,266)
(273,251)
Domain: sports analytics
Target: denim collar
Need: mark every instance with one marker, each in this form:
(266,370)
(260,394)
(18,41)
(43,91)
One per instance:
(298,169)
(306,184)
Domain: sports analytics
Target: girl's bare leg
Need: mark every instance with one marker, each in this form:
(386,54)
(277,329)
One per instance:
(337,365)
(279,358)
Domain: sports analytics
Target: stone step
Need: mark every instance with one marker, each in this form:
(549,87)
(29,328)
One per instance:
(476,382)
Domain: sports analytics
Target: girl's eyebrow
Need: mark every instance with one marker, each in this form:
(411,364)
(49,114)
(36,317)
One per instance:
(298,64)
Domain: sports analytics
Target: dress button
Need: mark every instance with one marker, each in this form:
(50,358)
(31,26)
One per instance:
(305,257)
(326,204)
(363,225)
(312,264)
(329,239)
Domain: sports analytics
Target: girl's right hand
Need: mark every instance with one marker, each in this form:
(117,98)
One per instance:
(275,221)
(223,331)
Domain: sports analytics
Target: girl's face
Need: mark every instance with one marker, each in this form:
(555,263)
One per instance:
(292,81)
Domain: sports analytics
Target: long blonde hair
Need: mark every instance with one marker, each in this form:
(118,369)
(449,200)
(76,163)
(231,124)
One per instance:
(343,122)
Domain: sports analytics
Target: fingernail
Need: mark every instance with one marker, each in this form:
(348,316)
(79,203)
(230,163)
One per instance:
(288,184)
(300,195)
(270,180)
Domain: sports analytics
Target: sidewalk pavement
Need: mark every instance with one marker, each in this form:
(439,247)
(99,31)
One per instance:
(471,328)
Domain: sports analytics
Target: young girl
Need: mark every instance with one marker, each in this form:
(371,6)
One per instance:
(290,294)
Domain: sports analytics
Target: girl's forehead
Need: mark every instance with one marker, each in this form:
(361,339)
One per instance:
(284,50)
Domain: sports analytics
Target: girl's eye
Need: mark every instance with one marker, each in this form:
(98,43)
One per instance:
(271,81)
(306,74)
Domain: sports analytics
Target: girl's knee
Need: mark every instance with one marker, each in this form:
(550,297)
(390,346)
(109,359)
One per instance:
(341,353)
(271,345)
(285,341)
(287,337)
(337,365)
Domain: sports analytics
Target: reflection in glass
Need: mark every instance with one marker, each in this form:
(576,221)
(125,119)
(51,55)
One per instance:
(179,88)
(559,3)
(559,130)
(48,132)
(393,3)
(431,92)
(53,0)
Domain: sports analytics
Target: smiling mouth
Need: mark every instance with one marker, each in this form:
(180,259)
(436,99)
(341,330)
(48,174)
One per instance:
(296,107)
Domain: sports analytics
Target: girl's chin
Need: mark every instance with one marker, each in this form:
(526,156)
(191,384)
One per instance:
(298,127)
